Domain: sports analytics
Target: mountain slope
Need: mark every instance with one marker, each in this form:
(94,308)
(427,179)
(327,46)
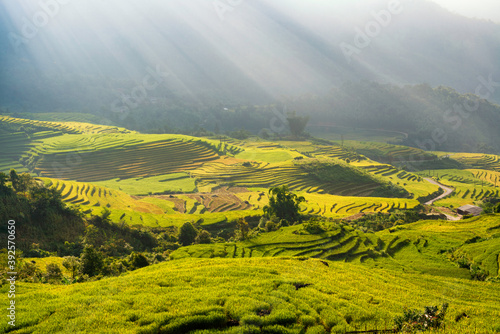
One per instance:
(240,295)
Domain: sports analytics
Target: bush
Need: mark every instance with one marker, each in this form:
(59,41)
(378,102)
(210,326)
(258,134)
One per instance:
(72,263)
(53,272)
(91,262)
(187,234)
(271,226)
(413,320)
(314,227)
(138,260)
(284,204)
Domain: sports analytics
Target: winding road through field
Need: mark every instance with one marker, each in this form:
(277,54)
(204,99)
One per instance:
(447,191)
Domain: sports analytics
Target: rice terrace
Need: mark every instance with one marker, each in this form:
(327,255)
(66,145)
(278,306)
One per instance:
(359,217)
(249,167)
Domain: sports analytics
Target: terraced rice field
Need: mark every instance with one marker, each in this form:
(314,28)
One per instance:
(143,160)
(416,247)
(257,295)
(10,151)
(169,183)
(265,175)
(90,195)
(468,184)
(492,178)
(388,153)
(220,201)
(65,127)
(65,117)
(479,161)
(343,206)
(337,152)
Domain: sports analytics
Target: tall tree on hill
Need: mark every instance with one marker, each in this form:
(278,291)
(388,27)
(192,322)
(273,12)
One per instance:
(14,179)
(283,204)
(297,124)
(3,179)
(91,261)
(187,234)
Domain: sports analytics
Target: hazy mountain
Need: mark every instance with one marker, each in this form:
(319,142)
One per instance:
(87,55)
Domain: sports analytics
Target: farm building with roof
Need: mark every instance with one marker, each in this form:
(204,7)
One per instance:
(469,210)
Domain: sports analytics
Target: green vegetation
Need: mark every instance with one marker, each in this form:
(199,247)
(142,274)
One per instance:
(234,295)
(312,206)
(431,247)
(283,205)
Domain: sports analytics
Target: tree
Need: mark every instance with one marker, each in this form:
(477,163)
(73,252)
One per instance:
(14,178)
(204,238)
(297,124)
(3,179)
(187,234)
(91,261)
(243,228)
(53,272)
(138,260)
(283,204)
(72,263)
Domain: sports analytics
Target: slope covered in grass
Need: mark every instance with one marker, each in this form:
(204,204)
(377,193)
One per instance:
(246,295)
(430,247)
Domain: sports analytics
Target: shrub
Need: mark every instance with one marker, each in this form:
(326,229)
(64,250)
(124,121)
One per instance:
(53,272)
(284,204)
(271,226)
(314,227)
(91,261)
(72,263)
(187,234)
(138,260)
(203,238)
(413,320)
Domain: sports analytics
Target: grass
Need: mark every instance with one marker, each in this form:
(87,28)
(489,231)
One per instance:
(280,294)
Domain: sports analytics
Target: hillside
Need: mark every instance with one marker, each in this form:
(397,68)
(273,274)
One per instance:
(359,255)
(430,247)
(279,295)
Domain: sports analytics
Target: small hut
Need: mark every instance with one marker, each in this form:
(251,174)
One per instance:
(469,210)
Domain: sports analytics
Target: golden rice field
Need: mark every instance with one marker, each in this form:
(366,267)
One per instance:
(275,295)
(65,127)
(479,161)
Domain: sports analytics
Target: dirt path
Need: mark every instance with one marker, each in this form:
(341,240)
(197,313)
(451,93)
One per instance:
(447,191)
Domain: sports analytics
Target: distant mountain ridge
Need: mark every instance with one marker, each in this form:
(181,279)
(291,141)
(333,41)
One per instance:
(88,55)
